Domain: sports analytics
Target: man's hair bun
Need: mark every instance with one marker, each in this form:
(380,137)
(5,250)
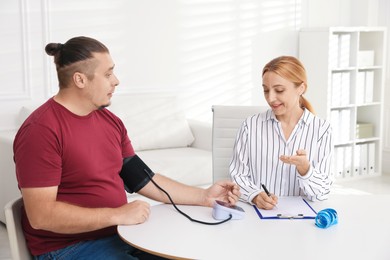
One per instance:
(53,48)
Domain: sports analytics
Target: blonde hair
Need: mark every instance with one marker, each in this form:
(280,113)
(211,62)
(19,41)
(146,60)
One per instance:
(290,68)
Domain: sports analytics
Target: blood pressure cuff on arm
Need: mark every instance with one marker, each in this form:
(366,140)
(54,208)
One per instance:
(135,173)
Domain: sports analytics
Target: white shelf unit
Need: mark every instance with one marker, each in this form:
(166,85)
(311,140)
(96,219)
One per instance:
(345,68)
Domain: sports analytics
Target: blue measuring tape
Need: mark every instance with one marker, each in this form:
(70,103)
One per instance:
(326,218)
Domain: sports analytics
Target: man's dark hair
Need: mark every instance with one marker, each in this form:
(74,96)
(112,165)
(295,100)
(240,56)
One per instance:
(74,56)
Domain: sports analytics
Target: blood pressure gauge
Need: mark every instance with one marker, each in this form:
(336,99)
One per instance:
(222,210)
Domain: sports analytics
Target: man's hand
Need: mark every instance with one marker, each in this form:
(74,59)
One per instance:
(226,191)
(135,212)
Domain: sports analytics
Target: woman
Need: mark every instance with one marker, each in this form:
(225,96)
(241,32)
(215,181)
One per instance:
(286,150)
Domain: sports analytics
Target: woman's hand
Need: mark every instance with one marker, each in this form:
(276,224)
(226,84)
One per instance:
(263,201)
(299,160)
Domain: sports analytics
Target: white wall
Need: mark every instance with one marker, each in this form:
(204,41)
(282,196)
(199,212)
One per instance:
(207,51)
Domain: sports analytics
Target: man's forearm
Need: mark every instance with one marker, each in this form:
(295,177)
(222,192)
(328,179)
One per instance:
(64,218)
(180,193)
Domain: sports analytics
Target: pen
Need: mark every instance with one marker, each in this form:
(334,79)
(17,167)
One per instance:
(268,194)
(266,191)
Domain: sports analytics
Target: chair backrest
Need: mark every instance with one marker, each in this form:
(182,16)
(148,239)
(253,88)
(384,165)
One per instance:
(226,122)
(13,215)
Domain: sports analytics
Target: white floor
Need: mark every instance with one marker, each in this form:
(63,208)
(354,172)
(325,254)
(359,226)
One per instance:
(369,185)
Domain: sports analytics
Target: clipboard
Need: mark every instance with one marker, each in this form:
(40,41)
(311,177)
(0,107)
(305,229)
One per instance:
(291,207)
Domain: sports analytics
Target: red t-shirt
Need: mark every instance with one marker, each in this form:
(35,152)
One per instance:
(82,155)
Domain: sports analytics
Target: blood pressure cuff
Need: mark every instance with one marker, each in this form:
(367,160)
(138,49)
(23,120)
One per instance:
(135,173)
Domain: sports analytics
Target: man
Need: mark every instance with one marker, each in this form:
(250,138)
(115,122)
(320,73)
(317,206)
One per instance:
(69,155)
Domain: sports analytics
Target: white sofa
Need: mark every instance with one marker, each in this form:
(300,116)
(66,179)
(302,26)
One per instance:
(169,143)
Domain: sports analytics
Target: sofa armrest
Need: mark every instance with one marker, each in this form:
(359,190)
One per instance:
(202,132)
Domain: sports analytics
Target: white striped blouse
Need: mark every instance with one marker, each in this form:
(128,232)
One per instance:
(259,144)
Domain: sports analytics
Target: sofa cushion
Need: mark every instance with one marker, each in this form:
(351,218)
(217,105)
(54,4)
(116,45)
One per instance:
(188,165)
(153,121)
(26,110)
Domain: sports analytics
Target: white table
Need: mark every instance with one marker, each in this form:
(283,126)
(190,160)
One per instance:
(363,232)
